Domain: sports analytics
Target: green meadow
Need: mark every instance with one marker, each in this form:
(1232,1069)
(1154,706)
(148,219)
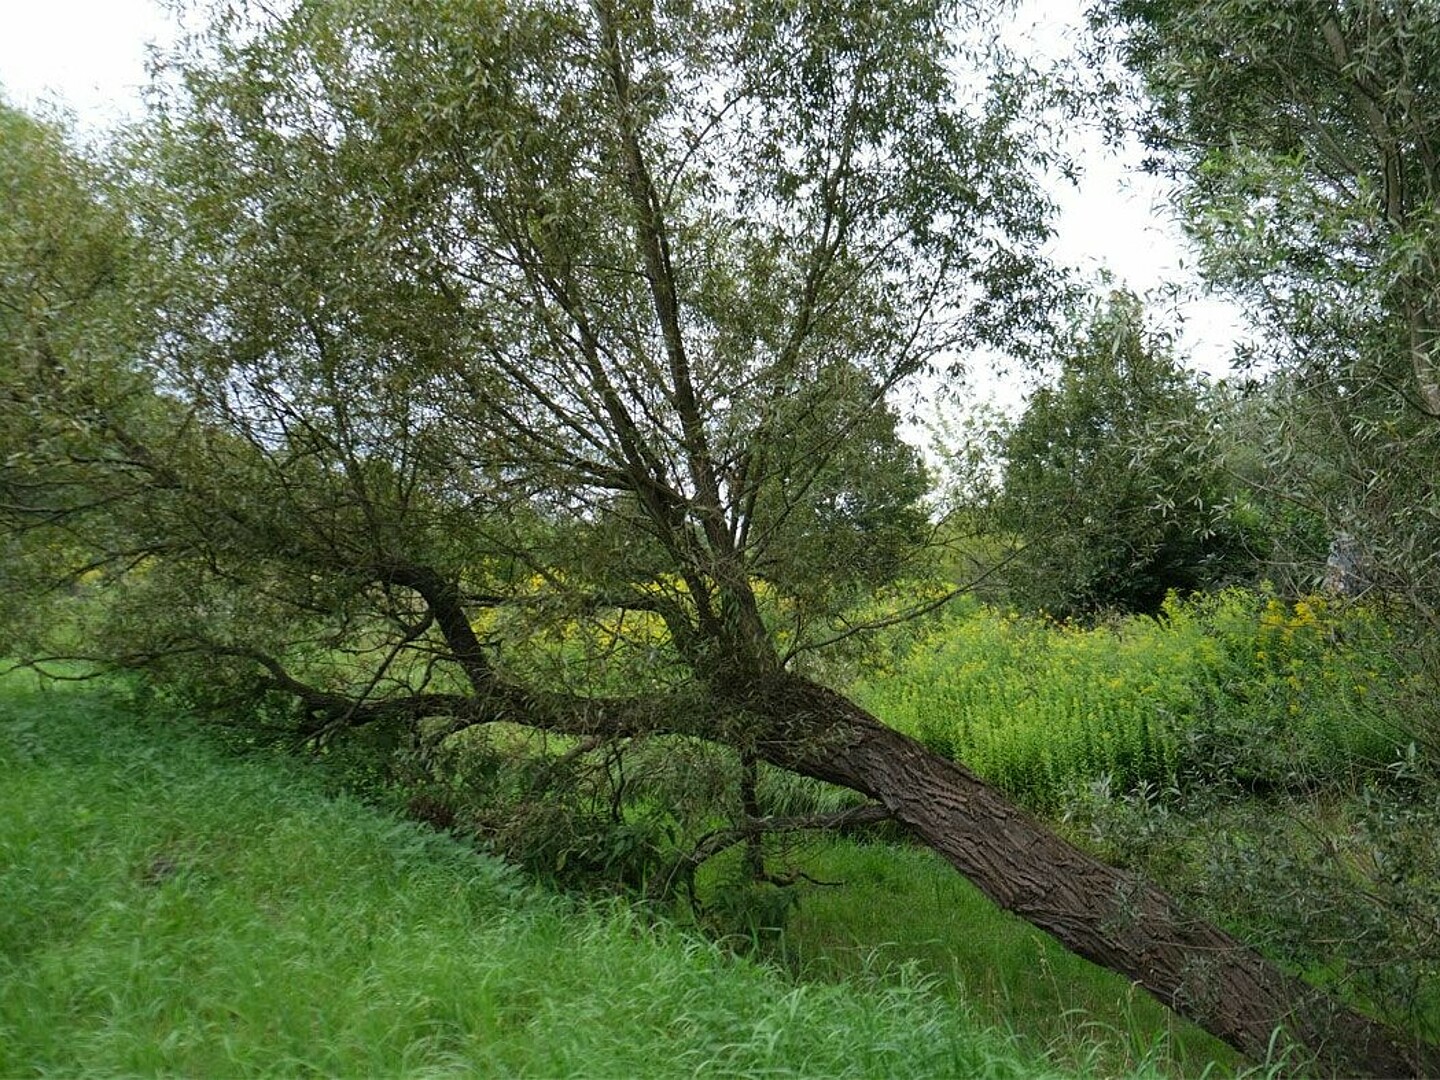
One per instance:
(167,908)
(173,901)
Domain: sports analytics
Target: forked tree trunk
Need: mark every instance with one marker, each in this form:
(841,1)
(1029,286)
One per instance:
(1108,916)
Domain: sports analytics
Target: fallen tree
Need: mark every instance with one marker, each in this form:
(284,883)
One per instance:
(427,330)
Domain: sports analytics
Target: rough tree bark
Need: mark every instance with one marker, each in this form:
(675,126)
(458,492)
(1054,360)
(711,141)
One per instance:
(1108,916)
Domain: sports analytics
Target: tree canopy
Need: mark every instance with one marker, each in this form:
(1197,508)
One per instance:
(642,272)
(1114,499)
(417,337)
(1305,135)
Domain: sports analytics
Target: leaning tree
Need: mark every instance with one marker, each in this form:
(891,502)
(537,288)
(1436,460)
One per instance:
(460,318)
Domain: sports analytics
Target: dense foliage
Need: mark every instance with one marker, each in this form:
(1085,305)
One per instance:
(503,394)
(1114,495)
(1241,689)
(1304,134)
(1257,754)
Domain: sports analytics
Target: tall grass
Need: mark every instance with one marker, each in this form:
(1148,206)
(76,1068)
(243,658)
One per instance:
(1265,691)
(1033,706)
(165,909)
(886,911)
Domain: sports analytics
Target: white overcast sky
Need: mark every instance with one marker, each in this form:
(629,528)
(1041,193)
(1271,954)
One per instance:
(90,57)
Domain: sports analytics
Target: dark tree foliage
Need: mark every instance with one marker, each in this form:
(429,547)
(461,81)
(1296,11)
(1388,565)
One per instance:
(1114,503)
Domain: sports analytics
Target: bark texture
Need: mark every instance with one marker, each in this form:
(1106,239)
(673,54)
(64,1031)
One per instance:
(1108,916)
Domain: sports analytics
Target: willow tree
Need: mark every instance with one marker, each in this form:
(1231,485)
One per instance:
(479,315)
(1306,136)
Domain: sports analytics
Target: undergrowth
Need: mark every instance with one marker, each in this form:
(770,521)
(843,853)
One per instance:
(1270,761)
(1240,686)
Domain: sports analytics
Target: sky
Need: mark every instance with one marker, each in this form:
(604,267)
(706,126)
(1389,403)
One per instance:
(87,54)
(90,57)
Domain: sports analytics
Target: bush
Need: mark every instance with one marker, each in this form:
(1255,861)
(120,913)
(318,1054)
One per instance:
(1036,707)
(1346,891)
(1297,694)
(1260,756)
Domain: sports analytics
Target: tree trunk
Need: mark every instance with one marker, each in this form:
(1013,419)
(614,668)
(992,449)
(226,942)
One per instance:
(1108,916)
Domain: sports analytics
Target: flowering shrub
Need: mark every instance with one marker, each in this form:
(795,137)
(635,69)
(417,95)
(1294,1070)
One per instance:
(1237,686)
(1034,706)
(1304,693)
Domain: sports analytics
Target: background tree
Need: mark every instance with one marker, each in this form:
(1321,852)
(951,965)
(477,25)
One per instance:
(446,289)
(1113,499)
(1306,137)
(77,410)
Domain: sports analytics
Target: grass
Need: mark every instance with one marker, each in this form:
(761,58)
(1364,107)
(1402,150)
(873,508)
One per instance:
(1035,707)
(167,909)
(1237,682)
(901,912)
